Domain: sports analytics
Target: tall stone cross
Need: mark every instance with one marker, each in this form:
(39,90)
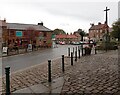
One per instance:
(106,14)
(107,35)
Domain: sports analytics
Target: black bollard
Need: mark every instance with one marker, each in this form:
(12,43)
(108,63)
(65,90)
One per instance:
(79,53)
(49,70)
(75,55)
(63,63)
(18,50)
(73,50)
(7,72)
(95,51)
(76,49)
(26,48)
(82,49)
(68,51)
(71,58)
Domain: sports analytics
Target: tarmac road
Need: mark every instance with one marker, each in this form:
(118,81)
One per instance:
(22,61)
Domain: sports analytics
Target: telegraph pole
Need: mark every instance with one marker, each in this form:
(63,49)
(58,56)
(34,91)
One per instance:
(107,34)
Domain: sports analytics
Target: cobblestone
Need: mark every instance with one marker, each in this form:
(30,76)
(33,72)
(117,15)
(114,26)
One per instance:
(90,74)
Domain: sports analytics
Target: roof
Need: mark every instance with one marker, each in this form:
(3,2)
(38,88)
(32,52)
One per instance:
(71,36)
(65,36)
(100,26)
(19,26)
(77,34)
(61,36)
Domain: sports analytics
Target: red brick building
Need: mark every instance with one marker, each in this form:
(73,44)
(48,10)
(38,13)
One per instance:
(67,38)
(96,32)
(23,34)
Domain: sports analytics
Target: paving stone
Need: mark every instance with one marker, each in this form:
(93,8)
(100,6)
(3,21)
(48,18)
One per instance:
(91,74)
(26,90)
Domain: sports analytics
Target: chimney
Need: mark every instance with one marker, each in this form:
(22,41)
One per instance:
(40,23)
(92,24)
(105,22)
(4,20)
(99,23)
(70,33)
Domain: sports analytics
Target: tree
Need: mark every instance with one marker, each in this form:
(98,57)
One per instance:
(116,29)
(82,33)
(58,31)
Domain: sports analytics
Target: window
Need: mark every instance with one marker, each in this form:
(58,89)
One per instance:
(45,34)
(11,33)
(25,33)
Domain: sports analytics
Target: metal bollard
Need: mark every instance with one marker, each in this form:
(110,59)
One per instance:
(73,50)
(76,49)
(18,51)
(8,51)
(63,63)
(95,51)
(25,49)
(71,58)
(7,72)
(68,51)
(82,49)
(79,53)
(49,70)
(75,55)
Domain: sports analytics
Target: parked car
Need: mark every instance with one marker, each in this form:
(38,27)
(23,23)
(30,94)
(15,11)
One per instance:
(75,43)
(62,43)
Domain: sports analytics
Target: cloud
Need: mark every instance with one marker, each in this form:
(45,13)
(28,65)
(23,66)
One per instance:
(68,14)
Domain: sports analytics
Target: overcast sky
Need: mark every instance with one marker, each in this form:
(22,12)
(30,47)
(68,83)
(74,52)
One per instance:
(69,15)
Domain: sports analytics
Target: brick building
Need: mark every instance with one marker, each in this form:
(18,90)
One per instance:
(67,38)
(96,32)
(23,34)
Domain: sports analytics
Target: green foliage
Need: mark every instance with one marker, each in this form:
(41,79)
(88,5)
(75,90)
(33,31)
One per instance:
(82,33)
(110,46)
(116,30)
(58,31)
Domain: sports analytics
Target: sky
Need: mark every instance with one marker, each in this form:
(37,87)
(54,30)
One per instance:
(69,15)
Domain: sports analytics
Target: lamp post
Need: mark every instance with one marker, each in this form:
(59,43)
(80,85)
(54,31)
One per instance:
(107,34)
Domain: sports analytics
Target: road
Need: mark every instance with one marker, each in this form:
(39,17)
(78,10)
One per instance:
(22,61)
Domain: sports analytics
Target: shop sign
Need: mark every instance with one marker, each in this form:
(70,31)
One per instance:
(19,33)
